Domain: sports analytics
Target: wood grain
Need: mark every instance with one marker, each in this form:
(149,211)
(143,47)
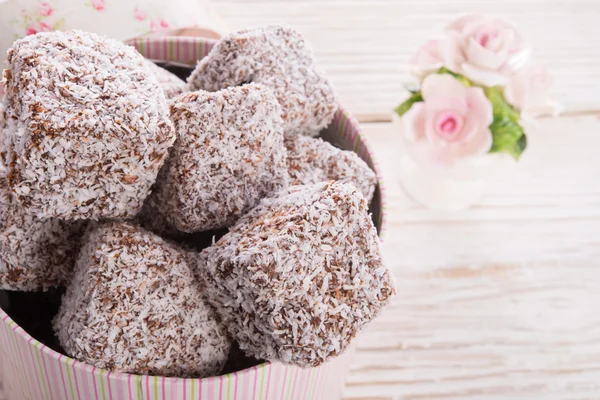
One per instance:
(498,301)
(365,45)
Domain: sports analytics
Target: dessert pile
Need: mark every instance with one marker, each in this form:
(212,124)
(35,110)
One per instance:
(109,163)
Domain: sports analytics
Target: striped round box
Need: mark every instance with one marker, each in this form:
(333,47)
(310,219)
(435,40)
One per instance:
(30,370)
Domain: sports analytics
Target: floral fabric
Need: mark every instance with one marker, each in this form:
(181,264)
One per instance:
(119,19)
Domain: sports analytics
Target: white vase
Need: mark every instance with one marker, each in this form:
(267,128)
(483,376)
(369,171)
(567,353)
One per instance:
(437,191)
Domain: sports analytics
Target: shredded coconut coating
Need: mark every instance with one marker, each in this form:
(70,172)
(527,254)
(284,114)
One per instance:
(169,82)
(92,126)
(312,160)
(229,154)
(135,306)
(34,254)
(298,276)
(279,58)
(154,221)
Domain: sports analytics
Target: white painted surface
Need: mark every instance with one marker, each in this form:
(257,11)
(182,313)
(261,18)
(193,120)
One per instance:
(365,44)
(498,301)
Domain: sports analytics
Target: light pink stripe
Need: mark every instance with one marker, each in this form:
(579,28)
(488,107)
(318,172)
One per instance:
(13,368)
(147,50)
(269,380)
(84,383)
(319,382)
(200,386)
(174,389)
(110,396)
(75,379)
(165,47)
(310,383)
(22,359)
(62,376)
(120,385)
(285,375)
(235,385)
(164,388)
(30,368)
(32,350)
(340,380)
(43,357)
(221,387)
(278,376)
(35,369)
(320,379)
(212,388)
(24,362)
(296,373)
(305,381)
(319,375)
(255,382)
(156,53)
(246,383)
(184,390)
(94,382)
(332,369)
(130,392)
(186,52)
(316,393)
(148,392)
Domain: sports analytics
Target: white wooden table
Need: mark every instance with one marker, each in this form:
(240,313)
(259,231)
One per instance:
(500,301)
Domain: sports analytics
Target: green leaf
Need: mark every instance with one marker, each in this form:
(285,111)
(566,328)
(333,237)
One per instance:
(59,25)
(404,107)
(462,79)
(501,107)
(519,147)
(445,70)
(508,136)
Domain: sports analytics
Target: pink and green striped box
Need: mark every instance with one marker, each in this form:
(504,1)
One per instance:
(30,370)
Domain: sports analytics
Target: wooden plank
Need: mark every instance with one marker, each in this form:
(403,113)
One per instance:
(545,208)
(498,301)
(365,46)
(496,330)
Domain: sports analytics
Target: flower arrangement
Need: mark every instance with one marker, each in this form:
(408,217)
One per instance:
(478,88)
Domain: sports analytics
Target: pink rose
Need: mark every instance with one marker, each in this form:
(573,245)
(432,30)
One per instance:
(451,123)
(158,24)
(44,27)
(528,88)
(427,59)
(484,49)
(138,14)
(39,27)
(98,4)
(45,9)
(31,30)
